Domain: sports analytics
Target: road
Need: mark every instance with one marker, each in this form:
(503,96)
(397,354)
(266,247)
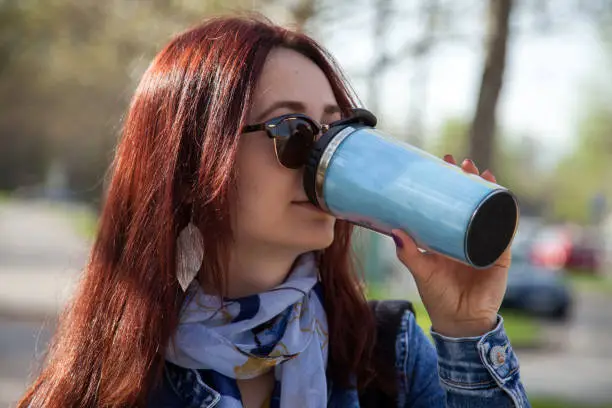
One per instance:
(578,365)
(40,258)
(22,346)
(41,255)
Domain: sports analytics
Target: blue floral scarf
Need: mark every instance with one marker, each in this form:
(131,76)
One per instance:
(283,329)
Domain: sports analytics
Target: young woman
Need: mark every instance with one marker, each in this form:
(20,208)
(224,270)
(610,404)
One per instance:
(213,282)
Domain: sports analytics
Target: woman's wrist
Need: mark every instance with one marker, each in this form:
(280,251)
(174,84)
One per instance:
(469,328)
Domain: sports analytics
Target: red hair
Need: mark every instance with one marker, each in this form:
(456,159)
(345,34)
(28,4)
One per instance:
(179,140)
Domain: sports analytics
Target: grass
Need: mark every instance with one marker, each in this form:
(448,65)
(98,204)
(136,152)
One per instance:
(376,291)
(422,317)
(589,282)
(85,223)
(83,219)
(546,402)
(522,330)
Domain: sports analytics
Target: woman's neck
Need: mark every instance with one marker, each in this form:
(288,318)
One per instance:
(255,270)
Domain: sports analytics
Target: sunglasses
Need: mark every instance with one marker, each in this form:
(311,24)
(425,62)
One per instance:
(295,134)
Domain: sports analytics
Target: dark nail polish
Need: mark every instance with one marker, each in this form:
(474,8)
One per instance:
(398,241)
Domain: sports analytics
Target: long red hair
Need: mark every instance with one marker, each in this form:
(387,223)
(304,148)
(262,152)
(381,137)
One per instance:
(179,140)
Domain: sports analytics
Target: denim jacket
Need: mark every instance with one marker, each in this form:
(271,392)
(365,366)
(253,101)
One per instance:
(452,372)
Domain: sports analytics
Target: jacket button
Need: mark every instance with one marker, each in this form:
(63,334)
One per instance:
(497,355)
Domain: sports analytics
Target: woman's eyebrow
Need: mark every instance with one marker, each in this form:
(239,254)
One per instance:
(295,106)
(331,109)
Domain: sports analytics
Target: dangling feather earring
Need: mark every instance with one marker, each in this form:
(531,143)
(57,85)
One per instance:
(189,254)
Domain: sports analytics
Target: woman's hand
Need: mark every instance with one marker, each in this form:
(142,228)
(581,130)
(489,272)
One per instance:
(461,301)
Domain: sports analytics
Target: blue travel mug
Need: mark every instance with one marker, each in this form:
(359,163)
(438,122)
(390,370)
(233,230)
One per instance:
(358,173)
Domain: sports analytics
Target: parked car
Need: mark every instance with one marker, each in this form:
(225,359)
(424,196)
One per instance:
(537,291)
(533,289)
(572,249)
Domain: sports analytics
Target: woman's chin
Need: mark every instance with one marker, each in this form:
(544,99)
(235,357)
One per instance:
(314,239)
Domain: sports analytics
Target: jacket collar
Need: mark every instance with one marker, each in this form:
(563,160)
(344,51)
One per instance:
(189,387)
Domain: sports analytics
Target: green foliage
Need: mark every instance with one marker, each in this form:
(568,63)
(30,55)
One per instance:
(567,191)
(67,71)
(514,163)
(453,139)
(586,171)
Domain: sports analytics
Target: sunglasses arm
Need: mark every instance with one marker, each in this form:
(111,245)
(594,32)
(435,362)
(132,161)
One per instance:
(254,128)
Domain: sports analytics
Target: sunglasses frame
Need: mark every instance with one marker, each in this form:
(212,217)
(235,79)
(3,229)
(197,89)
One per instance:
(270,126)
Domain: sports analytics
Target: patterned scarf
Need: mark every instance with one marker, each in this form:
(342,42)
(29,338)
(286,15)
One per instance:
(284,329)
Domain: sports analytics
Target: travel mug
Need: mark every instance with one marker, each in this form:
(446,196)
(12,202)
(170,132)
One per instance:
(360,174)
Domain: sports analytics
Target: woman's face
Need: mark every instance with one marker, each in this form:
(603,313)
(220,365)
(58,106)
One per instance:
(272,210)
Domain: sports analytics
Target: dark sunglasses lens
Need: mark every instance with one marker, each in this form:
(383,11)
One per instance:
(295,138)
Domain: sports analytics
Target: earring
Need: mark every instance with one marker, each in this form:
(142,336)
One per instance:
(189,254)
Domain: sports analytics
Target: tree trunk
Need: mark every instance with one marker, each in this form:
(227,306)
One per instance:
(482,132)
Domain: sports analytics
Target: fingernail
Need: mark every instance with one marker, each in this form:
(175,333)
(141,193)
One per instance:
(488,172)
(398,241)
(448,157)
(468,162)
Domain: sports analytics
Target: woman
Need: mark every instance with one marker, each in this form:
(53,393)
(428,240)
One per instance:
(203,199)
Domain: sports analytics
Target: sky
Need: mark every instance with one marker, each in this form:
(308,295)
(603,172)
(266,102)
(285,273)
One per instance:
(545,85)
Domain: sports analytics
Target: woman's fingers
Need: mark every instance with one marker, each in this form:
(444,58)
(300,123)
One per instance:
(487,175)
(469,167)
(450,159)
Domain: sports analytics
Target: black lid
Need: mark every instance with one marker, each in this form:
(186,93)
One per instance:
(310,170)
(359,118)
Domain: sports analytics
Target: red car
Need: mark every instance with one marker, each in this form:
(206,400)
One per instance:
(567,248)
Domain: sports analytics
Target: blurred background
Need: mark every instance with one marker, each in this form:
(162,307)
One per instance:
(523,87)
